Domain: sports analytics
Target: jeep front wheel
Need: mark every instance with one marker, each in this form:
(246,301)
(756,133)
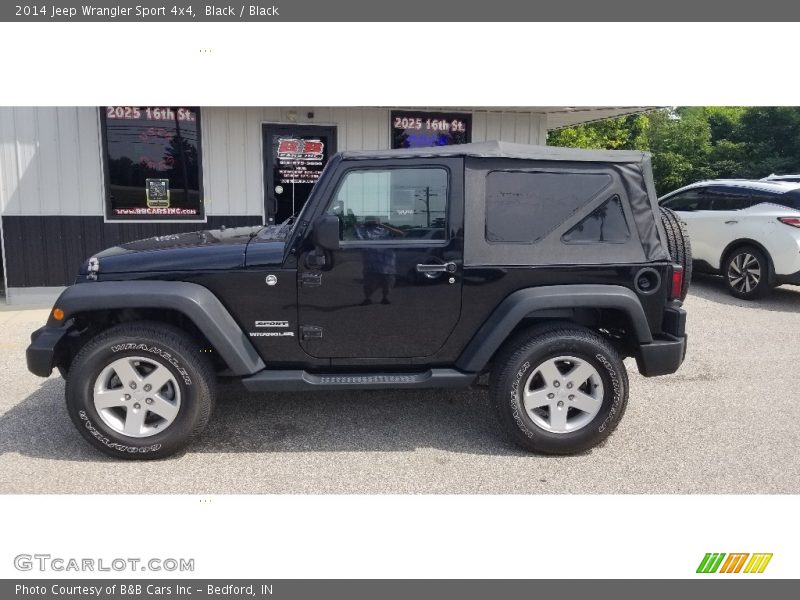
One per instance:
(559,390)
(140,391)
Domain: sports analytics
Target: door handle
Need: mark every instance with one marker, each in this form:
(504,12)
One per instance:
(731,222)
(449,267)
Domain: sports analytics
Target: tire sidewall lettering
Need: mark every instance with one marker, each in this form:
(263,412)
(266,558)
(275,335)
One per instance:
(616,386)
(514,397)
(163,354)
(100,437)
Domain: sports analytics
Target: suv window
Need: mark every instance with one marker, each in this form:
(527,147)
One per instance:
(729,198)
(787,199)
(523,207)
(392,204)
(688,201)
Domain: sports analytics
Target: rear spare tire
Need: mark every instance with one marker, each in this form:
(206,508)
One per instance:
(679,245)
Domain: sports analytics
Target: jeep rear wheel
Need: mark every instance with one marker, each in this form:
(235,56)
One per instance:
(559,390)
(140,391)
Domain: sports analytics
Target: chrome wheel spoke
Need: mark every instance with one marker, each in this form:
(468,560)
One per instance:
(158,378)
(535,399)
(163,408)
(126,372)
(550,372)
(580,373)
(558,418)
(109,398)
(134,421)
(585,402)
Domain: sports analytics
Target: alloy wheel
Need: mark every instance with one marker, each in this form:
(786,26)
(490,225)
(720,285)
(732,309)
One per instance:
(744,273)
(563,394)
(136,396)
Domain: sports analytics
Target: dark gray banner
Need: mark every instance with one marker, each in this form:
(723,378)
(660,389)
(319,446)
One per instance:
(405,10)
(713,586)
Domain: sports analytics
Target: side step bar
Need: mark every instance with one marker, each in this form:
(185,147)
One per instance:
(291,381)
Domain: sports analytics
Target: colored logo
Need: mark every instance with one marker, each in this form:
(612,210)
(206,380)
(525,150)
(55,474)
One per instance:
(719,562)
(298,149)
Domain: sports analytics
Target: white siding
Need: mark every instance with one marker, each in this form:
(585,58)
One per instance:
(50,161)
(50,158)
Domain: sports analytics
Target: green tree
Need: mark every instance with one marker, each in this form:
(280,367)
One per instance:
(694,143)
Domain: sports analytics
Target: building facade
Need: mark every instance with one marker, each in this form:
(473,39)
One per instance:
(75,180)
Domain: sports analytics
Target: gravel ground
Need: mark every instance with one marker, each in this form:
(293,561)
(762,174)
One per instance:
(728,422)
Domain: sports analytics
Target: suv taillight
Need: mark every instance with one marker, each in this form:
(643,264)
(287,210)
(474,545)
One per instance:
(677,282)
(793,221)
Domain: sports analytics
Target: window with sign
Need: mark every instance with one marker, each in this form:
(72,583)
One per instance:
(392,205)
(152,161)
(414,129)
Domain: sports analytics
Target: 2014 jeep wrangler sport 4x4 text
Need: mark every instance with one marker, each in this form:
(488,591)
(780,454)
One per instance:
(541,267)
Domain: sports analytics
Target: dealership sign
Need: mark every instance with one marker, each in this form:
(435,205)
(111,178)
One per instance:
(419,129)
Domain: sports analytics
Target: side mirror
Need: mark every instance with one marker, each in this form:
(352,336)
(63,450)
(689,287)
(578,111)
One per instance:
(326,232)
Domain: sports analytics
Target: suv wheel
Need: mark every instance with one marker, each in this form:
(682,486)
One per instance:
(747,273)
(678,245)
(559,390)
(140,391)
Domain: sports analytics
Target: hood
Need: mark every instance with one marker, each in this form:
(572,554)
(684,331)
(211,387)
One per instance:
(210,249)
(268,245)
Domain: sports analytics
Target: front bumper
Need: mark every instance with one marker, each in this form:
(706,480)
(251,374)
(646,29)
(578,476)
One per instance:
(665,354)
(42,353)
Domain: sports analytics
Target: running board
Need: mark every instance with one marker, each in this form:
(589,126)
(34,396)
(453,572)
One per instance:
(292,381)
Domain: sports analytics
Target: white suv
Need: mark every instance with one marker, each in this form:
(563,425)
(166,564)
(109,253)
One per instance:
(748,231)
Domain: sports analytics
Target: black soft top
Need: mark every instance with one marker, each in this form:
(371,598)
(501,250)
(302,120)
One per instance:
(512,188)
(495,149)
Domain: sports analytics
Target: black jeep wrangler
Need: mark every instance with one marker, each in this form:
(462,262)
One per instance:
(541,267)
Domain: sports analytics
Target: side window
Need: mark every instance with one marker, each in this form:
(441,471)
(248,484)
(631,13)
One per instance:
(688,201)
(392,205)
(523,207)
(606,223)
(788,199)
(731,198)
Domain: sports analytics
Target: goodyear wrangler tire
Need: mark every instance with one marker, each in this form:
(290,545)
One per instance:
(559,389)
(679,245)
(140,391)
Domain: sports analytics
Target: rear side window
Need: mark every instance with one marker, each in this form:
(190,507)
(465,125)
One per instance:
(729,198)
(688,200)
(788,199)
(523,207)
(606,223)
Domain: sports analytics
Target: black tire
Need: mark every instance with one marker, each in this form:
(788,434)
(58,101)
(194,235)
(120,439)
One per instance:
(764,285)
(679,245)
(517,363)
(165,346)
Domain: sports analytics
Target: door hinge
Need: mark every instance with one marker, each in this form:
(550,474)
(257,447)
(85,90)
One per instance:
(311,279)
(311,332)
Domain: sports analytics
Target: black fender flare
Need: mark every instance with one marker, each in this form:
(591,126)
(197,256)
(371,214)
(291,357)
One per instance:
(194,301)
(527,302)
